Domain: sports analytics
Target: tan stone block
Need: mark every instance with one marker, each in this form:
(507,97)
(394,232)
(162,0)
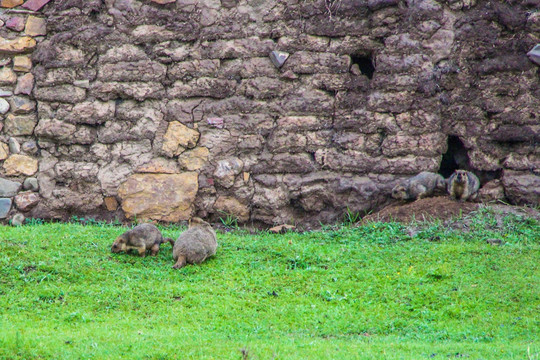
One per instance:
(20,125)
(10,3)
(17,45)
(231,206)
(164,197)
(246,177)
(7,76)
(22,63)
(4,151)
(194,159)
(110,203)
(20,165)
(35,26)
(177,138)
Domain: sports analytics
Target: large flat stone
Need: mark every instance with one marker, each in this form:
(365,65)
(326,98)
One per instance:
(5,206)
(17,45)
(10,3)
(164,197)
(35,5)
(9,188)
(20,165)
(20,125)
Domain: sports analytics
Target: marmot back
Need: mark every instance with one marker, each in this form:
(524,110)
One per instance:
(195,245)
(141,238)
(462,185)
(419,186)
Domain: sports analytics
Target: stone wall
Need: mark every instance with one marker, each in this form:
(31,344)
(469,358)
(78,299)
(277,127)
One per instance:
(163,109)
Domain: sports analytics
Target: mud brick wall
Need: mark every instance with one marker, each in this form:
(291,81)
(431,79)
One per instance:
(164,109)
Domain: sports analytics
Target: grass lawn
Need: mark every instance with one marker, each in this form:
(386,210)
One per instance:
(371,292)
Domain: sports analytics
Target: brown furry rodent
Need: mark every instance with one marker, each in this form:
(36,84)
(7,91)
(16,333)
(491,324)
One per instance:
(419,186)
(463,185)
(195,245)
(141,238)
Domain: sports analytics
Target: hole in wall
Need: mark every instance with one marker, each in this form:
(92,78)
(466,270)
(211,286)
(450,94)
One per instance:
(93,14)
(457,157)
(364,64)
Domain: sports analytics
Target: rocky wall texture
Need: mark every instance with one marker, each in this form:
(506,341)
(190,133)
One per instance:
(163,109)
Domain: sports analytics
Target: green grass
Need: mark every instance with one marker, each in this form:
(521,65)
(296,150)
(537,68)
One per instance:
(371,292)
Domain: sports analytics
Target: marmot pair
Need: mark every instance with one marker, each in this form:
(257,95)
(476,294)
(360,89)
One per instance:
(193,246)
(461,186)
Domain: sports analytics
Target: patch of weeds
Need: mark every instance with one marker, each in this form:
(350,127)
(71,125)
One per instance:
(351,217)
(87,221)
(297,263)
(34,221)
(229,220)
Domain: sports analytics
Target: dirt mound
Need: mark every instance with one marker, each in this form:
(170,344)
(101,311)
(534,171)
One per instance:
(441,207)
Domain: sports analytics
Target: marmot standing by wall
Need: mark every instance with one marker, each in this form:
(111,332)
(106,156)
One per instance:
(462,185)
(141,238)
(419,186)
(195,245)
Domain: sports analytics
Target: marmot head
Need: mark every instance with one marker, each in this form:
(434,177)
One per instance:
(119,244)
(461,176)
(399,192)
(197,221)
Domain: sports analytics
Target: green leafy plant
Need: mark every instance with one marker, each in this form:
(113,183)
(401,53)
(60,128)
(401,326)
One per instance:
(34,221)
(229,220)
(351,217)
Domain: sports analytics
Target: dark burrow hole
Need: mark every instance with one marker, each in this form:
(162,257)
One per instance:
(457,157)
(365,64)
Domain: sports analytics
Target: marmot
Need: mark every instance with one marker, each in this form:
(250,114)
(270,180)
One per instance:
(195,245)
(141,238)
(419,186)
(462,185)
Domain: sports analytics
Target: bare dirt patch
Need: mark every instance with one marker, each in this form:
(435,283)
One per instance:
(453,214)
(441,207)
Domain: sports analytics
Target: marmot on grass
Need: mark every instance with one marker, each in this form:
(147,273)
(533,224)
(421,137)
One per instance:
(141,238)
(462,185)
(419,186)
(195,245)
